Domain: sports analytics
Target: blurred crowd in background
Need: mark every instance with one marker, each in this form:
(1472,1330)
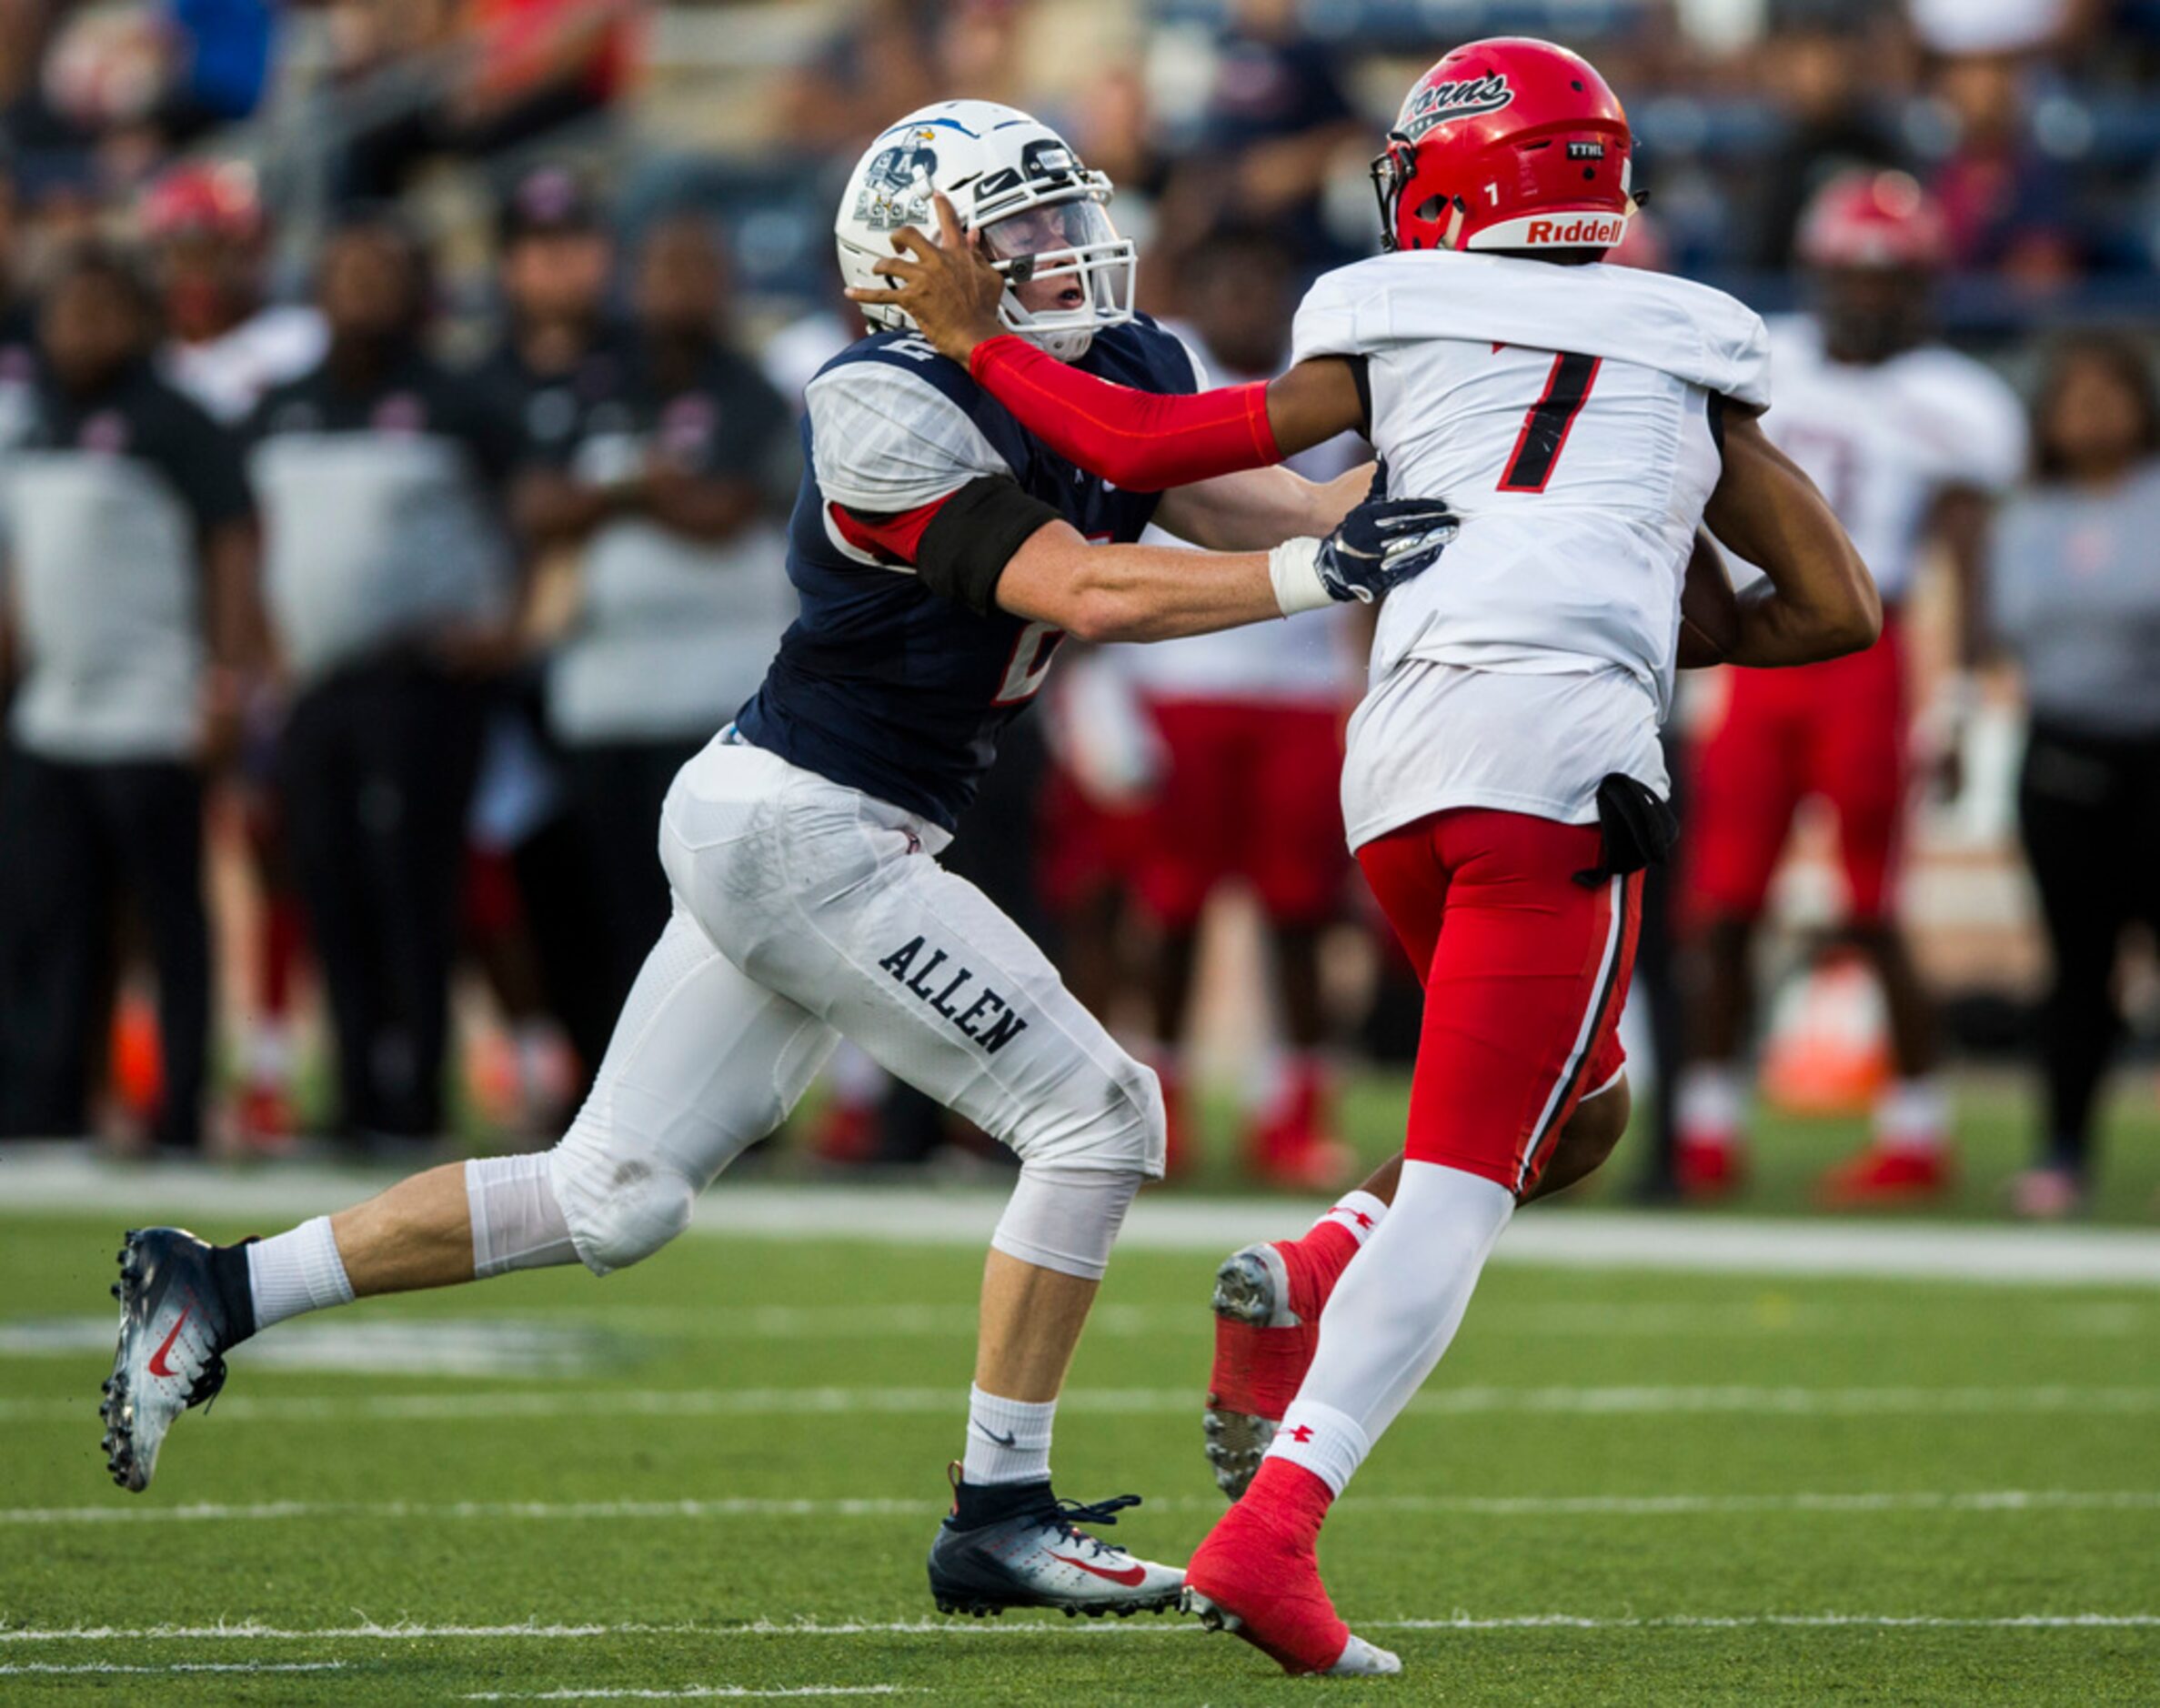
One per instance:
(397,426)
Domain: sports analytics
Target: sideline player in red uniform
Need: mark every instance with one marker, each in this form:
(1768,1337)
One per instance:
(1502,785)
(1910,442)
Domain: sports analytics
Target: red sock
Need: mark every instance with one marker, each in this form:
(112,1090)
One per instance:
(1324,1252)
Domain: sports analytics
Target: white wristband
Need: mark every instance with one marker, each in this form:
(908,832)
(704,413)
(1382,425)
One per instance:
(1294,568)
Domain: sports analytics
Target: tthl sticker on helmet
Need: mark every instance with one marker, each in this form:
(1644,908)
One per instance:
(1437,102)
(896,189)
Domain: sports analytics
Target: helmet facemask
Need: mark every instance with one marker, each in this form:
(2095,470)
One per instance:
(1066,257)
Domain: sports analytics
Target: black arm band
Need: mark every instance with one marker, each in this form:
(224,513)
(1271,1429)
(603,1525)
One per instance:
(974,535)
(1362,378)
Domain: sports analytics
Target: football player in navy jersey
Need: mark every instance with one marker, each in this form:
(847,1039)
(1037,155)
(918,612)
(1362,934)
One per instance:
(941,555)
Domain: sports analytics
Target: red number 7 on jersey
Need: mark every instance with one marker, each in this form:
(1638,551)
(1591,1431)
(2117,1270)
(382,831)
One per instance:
(1546,427)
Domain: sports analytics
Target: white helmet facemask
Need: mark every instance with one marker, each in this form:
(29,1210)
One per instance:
(1040,213)
(1070,248)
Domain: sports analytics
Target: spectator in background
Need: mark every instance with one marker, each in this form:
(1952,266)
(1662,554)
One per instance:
(559,354)
(1277,117)
(1251,727)
(225,346)
(377,472)
(131,548)
(2076,593)
(668,485)
(1818,71)
(554,259)
(2007,207)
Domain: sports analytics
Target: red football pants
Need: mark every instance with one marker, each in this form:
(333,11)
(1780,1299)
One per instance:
(1525,972)
(1837,730)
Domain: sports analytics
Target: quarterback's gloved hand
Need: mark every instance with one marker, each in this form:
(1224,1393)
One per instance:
(1380,544)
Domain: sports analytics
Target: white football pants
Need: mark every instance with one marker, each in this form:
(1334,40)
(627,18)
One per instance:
(805,910)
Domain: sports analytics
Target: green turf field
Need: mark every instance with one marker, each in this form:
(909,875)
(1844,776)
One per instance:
(716,1474)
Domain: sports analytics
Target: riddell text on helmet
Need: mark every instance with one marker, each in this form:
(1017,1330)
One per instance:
(1594,231)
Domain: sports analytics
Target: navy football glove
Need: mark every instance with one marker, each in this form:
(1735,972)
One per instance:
(1381,543)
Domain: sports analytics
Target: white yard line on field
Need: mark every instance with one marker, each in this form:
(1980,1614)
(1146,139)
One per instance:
(69,1180)
(528,1341)
(795,1402)
(1972,1501)
(689,1692)
(1046,1627)
(50,1668)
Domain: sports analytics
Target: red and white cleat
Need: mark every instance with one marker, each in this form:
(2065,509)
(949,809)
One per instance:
(1267,1303)
(1257,1576)
(1888,1174)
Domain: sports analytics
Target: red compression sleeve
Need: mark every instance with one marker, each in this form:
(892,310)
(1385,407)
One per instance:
(1142,441)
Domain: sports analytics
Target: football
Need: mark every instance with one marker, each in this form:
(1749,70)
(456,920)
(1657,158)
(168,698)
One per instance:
(1709,608)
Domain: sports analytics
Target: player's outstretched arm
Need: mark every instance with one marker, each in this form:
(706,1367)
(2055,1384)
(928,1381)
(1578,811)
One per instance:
(1102,593)
(1143,442)
(1260,507)
(1821,602)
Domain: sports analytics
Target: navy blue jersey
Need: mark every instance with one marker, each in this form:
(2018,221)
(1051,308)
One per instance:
(881,684)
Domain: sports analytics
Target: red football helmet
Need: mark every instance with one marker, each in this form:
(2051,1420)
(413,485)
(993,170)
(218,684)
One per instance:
(1507,144)
(1880,221)
(216,199)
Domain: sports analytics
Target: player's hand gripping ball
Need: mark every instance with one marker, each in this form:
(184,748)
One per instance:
(1709,609)
(1382,544)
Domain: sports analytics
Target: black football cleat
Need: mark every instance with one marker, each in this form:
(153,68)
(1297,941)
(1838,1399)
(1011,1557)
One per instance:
(173,1333)
(1037,1557)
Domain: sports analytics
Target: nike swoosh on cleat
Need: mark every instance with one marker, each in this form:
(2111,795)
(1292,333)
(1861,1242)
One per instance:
(1131,1577)
(158,1367)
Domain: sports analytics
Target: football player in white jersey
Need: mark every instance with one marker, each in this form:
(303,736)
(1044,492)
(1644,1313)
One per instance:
(1911,443)
(1503,783)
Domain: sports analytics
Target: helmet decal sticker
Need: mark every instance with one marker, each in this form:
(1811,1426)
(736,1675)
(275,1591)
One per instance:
(896,190)
(1437,103)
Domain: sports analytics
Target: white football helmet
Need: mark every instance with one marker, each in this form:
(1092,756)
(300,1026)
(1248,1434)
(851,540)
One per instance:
(1013,179)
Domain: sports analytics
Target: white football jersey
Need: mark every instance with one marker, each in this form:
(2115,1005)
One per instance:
(1884,440)
(1567,415)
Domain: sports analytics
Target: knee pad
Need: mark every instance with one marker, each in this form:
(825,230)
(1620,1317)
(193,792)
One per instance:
(1066,1218)
(1117,1125)
(619,1207)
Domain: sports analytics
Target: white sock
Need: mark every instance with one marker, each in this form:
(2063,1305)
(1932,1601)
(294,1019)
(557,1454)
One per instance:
(1358,1213)
(1008,1441)
(1391,1316)
(1913,1115)
(1708,1103)
(296,1272)
(1325,1441)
